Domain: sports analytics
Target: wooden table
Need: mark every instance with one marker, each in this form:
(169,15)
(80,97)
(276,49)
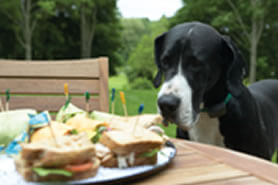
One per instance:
(209,165)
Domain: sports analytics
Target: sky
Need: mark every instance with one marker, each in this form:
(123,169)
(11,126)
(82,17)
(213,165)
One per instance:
(152,9)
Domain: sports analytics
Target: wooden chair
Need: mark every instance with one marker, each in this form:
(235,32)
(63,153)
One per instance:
(40,84)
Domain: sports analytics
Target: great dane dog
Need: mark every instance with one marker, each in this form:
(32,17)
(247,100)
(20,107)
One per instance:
(204,95)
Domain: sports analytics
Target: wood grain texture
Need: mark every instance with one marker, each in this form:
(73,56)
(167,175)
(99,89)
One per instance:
(86,68)
(258,167)
(50,103)
(48,86)
(191,160)
(194,175)
(182,148)
(40,78)
(238,181)
(199,164)
(103,84)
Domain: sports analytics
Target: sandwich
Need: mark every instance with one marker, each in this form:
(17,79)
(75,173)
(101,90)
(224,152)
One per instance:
(73,157)
(123,148)
(148,121)
(44,133)
(120,143)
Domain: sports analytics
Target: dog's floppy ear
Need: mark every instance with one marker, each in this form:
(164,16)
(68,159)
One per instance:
(237,68)
(158,47)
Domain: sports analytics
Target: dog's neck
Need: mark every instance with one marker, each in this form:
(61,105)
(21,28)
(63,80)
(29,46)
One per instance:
(216,98)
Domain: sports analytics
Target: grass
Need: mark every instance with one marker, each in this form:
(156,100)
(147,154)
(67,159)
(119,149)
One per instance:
(133,100)
(274,158)
(118,82)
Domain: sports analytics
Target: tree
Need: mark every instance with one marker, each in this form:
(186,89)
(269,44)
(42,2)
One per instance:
(88,20)
(58,34)
(244,21)
(20,13)
(91,15)
(24,14)
(133,30)
(141,60)
(258,10)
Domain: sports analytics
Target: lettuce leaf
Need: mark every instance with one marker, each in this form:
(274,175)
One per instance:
(99,131)
(13,123)
(66,113)
(49,171)
(151,153)
(102,116)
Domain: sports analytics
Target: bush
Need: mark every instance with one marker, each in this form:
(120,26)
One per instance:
(141,83)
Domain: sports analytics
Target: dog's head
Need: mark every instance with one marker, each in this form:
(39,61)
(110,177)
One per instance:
(193,57)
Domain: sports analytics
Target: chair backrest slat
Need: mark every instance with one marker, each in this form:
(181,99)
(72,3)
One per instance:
(40,84)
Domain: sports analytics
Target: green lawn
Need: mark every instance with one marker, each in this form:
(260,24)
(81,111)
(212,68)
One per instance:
(134,98)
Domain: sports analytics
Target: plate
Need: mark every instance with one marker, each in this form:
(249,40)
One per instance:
(9,176)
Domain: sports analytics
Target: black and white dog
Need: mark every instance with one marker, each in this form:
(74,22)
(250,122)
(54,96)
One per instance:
(203,73)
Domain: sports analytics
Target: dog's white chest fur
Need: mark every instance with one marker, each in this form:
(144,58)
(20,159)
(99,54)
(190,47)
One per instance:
(206,130)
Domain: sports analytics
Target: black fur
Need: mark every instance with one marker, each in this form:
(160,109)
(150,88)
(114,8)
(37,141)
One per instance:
(214,67)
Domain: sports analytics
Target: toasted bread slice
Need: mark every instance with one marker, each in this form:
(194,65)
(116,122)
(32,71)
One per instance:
(73,149)
(145,120)
(123,142)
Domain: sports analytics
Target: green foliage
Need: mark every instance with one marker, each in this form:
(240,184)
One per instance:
(170,130)
(133,30)
(57,32)
(141,61)
(141,83)
(220,15)
(133,100)
(118,82)
(274,158)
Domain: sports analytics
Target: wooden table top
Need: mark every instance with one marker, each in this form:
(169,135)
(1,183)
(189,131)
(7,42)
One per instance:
(209,165)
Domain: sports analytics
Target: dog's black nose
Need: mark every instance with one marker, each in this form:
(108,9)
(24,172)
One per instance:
(168,104)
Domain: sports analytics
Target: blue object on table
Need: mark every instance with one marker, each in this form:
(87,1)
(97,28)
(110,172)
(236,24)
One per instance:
(39,118)
(14,146)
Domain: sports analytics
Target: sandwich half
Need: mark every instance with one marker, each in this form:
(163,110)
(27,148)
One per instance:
(71,158)
(125,148)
